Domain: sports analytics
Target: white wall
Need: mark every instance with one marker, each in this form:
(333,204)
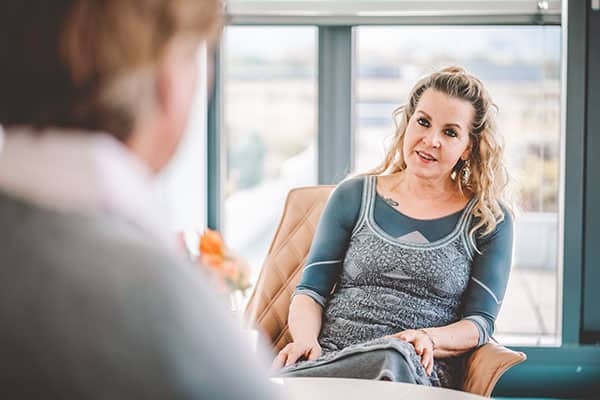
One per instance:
(183,182)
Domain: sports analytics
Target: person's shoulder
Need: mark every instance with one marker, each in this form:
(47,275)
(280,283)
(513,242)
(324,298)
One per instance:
(86,255)
(348,193)
(87,245)
(120,260)
(345,201)
(351,186)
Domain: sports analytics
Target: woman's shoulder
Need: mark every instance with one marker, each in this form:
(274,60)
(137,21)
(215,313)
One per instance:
(348,193)
(351,186)
(346,199)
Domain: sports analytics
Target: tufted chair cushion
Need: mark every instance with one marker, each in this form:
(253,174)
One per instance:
(268,305)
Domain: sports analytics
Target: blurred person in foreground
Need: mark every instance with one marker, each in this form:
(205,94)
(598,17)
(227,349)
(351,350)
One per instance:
(94,99)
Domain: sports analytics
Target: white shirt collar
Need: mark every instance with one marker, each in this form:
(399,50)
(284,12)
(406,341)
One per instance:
(81,172)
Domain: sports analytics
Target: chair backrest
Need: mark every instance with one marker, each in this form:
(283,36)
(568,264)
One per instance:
(269,303)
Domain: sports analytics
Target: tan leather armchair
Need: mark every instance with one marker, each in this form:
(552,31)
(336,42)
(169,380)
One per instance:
(268,306)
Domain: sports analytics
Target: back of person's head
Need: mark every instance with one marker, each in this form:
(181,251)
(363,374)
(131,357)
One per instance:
(89,64)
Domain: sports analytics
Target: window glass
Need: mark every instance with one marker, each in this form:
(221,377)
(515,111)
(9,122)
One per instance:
(269,129)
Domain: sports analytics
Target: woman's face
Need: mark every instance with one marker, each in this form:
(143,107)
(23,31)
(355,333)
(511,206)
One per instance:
(437,135)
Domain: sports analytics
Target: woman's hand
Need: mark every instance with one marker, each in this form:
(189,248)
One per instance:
(422,343)
(293,351)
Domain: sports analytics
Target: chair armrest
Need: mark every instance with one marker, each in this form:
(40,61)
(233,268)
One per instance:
(486,365)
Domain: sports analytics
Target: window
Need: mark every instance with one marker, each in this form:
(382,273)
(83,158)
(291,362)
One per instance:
(520,65)
(269,125)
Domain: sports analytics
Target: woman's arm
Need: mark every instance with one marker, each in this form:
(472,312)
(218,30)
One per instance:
(305,319)
(489,278)
(440,342)
(327,251)
(453,339)
(305,324)
(321,271)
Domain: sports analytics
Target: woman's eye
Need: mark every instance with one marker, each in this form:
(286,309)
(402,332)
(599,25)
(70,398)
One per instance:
(423,122)
(451,132)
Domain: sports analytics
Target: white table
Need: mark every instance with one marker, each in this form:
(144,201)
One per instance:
(362,389)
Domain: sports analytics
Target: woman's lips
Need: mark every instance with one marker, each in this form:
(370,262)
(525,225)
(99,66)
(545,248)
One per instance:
(425,157)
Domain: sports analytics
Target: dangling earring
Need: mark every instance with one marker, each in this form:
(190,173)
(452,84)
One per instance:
(459,165)
(457,169)
(465,172)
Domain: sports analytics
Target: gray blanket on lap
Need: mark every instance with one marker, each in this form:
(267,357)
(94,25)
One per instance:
(381,359)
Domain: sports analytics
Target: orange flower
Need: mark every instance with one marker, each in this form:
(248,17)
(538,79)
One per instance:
(230,271)
(212,247)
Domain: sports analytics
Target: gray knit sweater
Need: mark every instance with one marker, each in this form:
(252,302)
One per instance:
(92,308)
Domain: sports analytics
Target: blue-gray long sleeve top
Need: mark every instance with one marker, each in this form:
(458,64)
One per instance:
(489,273)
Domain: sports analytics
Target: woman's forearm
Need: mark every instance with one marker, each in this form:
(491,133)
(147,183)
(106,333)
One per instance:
(454,339)
(304,318)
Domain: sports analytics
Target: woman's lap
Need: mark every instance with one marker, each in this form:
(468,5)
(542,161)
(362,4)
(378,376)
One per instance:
(382,364)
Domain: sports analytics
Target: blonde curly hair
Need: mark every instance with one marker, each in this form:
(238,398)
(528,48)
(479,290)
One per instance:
(484,176)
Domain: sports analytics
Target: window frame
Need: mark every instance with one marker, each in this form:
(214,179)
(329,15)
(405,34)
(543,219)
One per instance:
(591,273)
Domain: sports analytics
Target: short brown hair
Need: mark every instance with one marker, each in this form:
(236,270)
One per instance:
(63,63)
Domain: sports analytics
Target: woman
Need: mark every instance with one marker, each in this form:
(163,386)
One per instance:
(410,262)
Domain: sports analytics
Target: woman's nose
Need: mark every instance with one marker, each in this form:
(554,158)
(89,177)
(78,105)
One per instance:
(433,138)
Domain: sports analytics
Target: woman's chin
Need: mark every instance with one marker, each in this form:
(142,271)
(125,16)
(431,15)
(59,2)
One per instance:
(423,172)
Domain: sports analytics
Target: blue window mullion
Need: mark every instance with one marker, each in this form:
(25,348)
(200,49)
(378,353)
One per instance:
(213,149)
(335,103)
(591,271)
(574,84)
